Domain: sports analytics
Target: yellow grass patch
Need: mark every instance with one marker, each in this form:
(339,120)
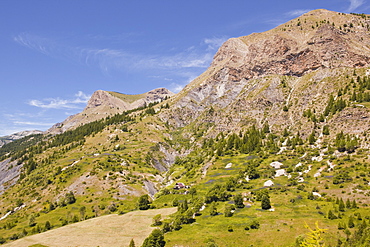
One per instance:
(110,230)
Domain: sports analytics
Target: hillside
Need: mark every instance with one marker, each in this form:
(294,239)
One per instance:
(273,136)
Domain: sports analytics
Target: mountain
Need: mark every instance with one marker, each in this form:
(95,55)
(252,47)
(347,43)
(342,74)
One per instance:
(9,138)
(298,64)
(273,136)
(103,104)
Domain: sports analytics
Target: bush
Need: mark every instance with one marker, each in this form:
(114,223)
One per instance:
(255,224)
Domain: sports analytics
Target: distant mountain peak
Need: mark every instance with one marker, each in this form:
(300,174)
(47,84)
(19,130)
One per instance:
(106,103)
(9,138)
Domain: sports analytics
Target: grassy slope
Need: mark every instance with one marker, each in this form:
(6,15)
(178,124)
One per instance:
(283,225)
(109,230)
(128,97)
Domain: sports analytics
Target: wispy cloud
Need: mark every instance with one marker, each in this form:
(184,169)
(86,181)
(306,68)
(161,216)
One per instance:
(287,16)
(297,12)
(32,123)
(57,103)
(114,59)
(214,43)
(354,4)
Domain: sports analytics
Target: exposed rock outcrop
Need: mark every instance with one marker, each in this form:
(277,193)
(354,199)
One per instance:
(9,174)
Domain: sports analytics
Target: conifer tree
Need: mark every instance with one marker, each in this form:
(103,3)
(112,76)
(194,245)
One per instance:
(351,224)
(348,204)
(132,243)
(265,202)
(331,215)
(341,205)
(238,199)
(155,239)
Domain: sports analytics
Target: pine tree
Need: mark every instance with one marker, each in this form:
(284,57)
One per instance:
(331,215)
(132,243)
(348,204)
(311,138)
(228,211)
(351,224)
(144,203)
(238,199)
(156,239)
(265,202)
(47,226)
(341,205)
(325,130)
(213,209)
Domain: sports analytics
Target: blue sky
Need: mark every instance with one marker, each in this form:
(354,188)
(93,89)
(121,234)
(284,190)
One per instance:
(55,54)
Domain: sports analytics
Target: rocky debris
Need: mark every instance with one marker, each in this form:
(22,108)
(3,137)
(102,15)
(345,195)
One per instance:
(150,187)
(331,166)
(205,169)
(308,169)
(12,211)
(298,165)
(9,174)
(276,164)
(281,172)
(71,165)
(318,173)
(229,165)
(316,194)
(268,183)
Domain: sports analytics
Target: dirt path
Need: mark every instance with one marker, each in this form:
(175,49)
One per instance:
(110,230)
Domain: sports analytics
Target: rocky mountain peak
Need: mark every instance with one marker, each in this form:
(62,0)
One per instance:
(244,81)
(317,39)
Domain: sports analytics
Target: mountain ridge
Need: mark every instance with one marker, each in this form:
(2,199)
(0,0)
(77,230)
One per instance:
(104,103)
(18,135)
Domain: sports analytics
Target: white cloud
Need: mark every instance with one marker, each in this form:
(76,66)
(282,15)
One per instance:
(32,123)
(175,87)
(297,12)
(112,59)
(354,4)
(81,98)
(214,43)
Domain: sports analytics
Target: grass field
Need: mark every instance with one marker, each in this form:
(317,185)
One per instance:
(109,230)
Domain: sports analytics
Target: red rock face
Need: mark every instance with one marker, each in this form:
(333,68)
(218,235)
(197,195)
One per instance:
(325,47)
(244,81)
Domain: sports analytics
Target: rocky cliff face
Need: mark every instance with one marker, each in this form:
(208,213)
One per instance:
(104,103)
(253,77)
